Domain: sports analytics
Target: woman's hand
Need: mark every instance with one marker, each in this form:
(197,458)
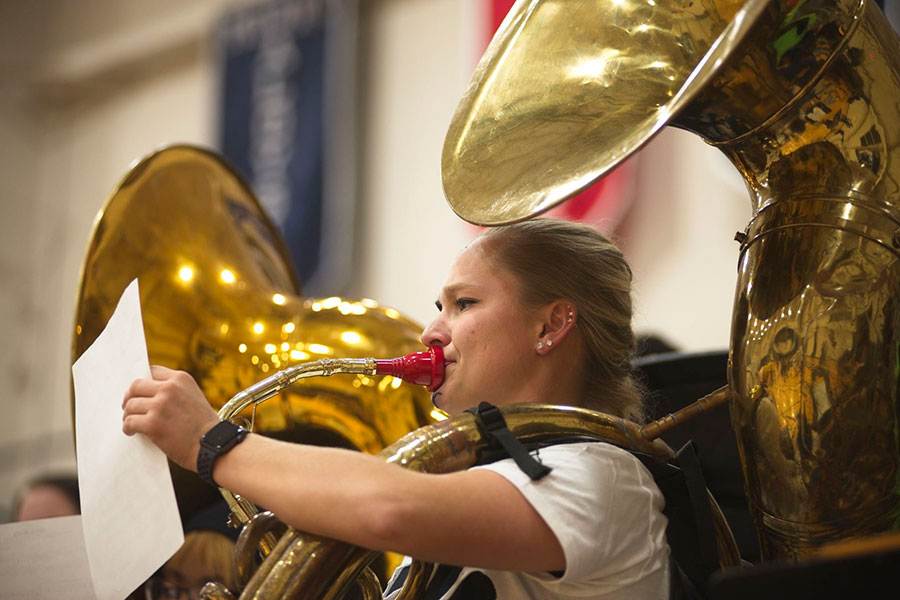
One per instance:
(171,410)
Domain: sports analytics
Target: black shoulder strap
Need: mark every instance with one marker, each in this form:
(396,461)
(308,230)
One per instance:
(493,426)
(690,531)
(707,551)
(680,585)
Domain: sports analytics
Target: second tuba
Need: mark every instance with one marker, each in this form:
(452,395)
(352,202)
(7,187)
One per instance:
(802,98)
(220,300)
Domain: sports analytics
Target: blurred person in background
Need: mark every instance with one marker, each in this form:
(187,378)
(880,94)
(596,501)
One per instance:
(47,496)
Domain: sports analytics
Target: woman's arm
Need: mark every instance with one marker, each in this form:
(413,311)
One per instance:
(474,518)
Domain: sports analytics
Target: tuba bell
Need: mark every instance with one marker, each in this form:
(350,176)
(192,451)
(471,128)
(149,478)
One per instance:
(802,98)
(220,300)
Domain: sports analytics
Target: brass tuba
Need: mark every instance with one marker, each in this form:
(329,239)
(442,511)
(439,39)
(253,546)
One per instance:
(803,99)
(220,300)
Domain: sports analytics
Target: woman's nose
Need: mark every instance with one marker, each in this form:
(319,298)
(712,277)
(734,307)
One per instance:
(436,334)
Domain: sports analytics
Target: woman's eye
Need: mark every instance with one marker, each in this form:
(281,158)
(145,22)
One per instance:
(464,303)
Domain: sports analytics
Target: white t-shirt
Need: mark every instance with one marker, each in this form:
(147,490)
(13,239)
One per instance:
(606,511)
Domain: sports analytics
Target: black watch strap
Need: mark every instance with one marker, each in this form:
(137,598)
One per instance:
(214,443)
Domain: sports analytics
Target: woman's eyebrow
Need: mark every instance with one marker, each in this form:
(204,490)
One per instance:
(454,288)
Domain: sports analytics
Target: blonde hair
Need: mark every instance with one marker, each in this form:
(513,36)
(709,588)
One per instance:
(554,259)
(208,552)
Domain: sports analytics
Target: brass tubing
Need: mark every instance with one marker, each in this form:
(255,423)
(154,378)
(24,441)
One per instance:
(272,385)
(241,509)
(656,428)
(729,554)
(250,539)
(356,573)
(369,585)
(214,590)
(282,559)
(416,580)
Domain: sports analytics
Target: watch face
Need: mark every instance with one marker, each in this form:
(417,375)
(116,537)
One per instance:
(220,435)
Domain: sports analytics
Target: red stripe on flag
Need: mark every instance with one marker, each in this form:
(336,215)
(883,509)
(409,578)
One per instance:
(498,9)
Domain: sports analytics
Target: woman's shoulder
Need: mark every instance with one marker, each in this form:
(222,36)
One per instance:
(595,452)
(604,508)
(595,448)
(581,464)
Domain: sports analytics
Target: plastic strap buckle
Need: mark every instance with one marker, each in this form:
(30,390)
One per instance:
(493,425)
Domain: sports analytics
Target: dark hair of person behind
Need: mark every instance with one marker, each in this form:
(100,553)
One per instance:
(554,259)
(67,484)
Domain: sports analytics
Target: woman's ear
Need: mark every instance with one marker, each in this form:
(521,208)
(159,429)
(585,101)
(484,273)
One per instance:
(559,318)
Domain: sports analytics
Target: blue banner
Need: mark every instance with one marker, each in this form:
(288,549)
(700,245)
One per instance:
(288,66)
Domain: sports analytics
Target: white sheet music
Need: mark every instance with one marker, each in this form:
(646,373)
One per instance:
(129,515)
(43,560)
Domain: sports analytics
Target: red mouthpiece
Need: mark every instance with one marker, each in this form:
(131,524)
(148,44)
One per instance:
(420,368)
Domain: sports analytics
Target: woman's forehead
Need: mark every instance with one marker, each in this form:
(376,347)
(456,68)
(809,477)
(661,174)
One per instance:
(474,268)
(472,262)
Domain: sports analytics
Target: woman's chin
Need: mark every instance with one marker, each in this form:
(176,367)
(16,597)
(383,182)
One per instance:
(443,401)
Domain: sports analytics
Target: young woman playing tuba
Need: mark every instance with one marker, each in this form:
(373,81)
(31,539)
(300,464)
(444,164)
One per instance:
(539,311)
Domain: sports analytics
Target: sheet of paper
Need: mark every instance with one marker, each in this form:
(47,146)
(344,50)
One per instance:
(130,518)
(44,560)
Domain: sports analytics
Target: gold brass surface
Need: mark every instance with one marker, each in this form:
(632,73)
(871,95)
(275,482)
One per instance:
(416,580)
(802,96)
(220,300)
(369,585)
(567,90)
(215,591)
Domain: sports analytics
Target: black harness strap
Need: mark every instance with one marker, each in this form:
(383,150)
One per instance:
(492,424)
(476,586)
(707,550)
(444,577)
(397,580)
(690,532)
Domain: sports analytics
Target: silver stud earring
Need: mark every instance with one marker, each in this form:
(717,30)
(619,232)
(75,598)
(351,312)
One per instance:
(571,316)
(540,345)
(549,343)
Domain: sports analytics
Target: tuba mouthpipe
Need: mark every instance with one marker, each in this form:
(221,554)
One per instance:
(272,385)
(421,368)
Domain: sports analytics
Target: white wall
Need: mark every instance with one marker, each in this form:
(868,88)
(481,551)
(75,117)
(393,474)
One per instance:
(89,86)
(411,235)
(679,240)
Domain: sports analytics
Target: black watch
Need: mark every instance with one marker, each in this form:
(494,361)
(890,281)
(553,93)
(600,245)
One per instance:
(216,442)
